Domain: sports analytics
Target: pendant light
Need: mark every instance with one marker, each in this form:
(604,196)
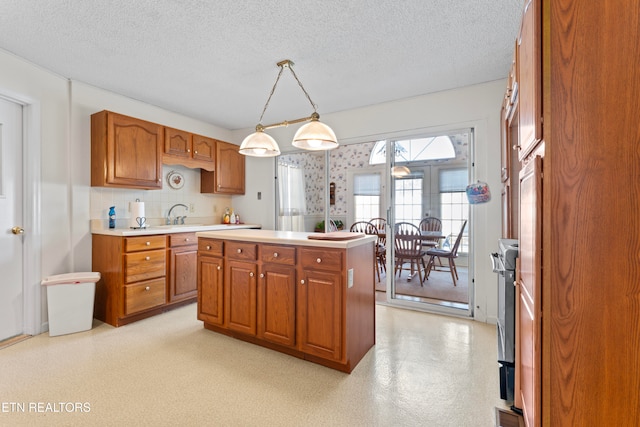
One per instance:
(400,171)
(312,136)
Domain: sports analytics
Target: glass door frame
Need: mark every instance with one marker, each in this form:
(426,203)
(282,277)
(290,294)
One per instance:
(389,200)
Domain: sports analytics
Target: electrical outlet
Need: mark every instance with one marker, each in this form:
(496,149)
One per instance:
(192,208)
(215,208)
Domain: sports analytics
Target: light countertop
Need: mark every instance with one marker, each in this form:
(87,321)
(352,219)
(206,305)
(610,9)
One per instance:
(284,237)
(167,229)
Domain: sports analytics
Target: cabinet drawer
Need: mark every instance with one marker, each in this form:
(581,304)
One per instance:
(210,247)
(143,243)
(144,295)
(182,239)
(278,254)
(243,251)
(144,265)
(321,259)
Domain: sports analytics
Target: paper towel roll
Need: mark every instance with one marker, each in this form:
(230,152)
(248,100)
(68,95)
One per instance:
(137,218)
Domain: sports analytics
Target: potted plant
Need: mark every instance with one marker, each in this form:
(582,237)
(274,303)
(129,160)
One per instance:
(319,228)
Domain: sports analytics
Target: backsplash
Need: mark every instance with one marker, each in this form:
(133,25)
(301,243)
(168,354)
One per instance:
(209,207)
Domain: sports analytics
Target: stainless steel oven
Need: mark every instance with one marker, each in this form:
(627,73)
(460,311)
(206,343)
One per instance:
(504,263)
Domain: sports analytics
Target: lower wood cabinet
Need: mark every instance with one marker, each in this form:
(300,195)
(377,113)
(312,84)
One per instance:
(142,276)
(297,300)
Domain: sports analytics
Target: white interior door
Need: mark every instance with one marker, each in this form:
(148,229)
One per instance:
(11,217)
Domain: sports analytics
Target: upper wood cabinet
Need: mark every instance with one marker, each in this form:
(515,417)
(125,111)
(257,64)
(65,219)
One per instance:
(529,69)
(125,152)
(228,177)
(187,149)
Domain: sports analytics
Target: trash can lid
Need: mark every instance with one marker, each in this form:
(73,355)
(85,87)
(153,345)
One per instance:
(71,278)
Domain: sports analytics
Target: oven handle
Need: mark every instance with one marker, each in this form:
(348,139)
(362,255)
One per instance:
(497,264)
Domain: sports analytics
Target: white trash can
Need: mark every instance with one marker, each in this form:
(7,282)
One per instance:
(70,302)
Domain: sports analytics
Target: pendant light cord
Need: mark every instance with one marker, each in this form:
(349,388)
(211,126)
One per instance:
(273,89)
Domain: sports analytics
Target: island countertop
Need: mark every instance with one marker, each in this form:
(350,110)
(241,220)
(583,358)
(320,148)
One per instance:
(288,237)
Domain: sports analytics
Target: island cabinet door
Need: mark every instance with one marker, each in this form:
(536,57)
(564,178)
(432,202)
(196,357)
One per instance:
(319,304)
(277,304)
(240,302)
(211,290)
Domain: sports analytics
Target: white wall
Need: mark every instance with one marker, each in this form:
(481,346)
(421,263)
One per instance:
(475,106)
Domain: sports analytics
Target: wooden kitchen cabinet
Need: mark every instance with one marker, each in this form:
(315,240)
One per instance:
(187,149)
(577,306)
(182,255)
(141,276)
(211,282)
(277,295)
(229,174)
(299,300)
(125,152)
(529,79)
(320,303)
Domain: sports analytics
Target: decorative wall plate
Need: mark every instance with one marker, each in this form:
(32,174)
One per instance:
(175,180)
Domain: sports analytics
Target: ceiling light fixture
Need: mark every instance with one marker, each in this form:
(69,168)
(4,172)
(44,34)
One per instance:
(312,136)
(400,171)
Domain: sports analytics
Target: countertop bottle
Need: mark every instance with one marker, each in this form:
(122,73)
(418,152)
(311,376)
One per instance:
(112,217)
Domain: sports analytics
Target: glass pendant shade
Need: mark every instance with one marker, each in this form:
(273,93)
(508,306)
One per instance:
(259,144)
(315,136)
(399,171)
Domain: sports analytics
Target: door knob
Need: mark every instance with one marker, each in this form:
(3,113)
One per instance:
(17,230)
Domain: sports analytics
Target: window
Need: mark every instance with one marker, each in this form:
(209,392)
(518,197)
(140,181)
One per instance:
(366,196)
(414,150)
(454,206)
(408,199)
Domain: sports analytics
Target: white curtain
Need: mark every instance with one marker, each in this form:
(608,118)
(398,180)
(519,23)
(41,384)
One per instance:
(292,204)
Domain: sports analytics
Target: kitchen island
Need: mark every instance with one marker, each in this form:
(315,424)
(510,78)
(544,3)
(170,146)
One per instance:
(290,292)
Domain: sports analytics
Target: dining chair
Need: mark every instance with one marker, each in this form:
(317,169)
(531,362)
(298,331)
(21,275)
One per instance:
(408,247)
(450,255)
(368,228)
(430,223)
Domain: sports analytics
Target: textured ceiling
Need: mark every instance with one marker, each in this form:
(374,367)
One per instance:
(215,60)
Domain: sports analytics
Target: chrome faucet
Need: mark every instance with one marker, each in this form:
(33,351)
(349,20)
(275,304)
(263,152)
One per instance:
(175,220)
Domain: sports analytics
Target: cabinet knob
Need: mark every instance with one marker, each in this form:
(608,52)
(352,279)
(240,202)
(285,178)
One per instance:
(318,260)
(219,268)
(195,152)
(516,147)
(302,282)
(275,254)
(239,251)
(147,258)
(219,185)
(147,288)
(208,247)
(261,275)
(251,274)
(148,243)
(188,150)
(186,240)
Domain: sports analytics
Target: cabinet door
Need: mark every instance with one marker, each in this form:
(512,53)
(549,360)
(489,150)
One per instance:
(211,290)
(240,302)
(183,273)
(229,173)
(529,322)
(530,78)
(177,143)
(277,304)
(134,152)
(320,313)
(204,149)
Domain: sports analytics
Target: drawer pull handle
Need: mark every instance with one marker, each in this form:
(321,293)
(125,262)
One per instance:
(261,275)
(148,243)
(302,282)
(251,274)
(275,254)
(239,251)
(147,288)
(147,258)
(318,260)
(219,268)
(208,247)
